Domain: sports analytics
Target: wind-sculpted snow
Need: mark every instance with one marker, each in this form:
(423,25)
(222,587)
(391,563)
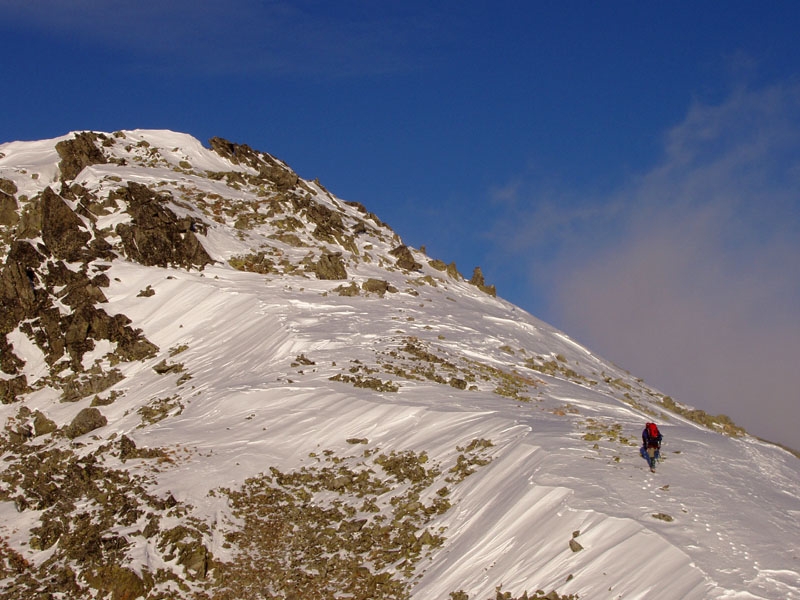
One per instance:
(394,433)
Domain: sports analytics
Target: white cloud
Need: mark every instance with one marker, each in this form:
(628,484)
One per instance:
(701,292)
(690,275)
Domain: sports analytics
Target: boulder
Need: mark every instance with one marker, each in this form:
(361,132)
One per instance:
(88,419)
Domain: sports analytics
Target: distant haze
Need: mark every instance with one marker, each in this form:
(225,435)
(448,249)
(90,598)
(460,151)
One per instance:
(689,276)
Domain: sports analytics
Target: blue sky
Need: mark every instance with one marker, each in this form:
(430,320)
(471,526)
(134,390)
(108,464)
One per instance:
(627,171)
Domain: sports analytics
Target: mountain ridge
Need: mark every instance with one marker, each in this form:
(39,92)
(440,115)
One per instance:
(205,327)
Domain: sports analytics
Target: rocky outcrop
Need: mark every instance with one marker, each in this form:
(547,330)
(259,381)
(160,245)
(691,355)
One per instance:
(19,298)
(330,266)
(10,389)
(63,232)
(280,176)
(42,425)
(10,363)
(30,220)
(78,153)
(405,259)
(478,281)
(156,236)
(378,286)
(34,277)
(8,203)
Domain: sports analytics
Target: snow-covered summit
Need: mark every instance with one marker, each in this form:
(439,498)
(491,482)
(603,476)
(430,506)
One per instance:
(220,380)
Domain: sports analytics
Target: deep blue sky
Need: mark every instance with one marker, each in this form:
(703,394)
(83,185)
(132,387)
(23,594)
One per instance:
(627,171)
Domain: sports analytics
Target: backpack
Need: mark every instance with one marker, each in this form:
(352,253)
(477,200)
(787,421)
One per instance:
(652,431)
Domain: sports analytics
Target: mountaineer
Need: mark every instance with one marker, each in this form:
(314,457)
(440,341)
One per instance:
(651,444)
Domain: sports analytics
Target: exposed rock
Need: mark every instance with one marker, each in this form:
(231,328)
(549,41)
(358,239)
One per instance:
(30,222)
(458,383)
(273,171)
(478,281)
(437,264)
(477,277)
(76,287)
(574,545)
(330,266)
(26,294)
(78,153)
(63,232)
(156,237)
(8,187)
(123,583)
(164,367)
(405,259)
(11,388)
(378,286)
(329,223)
(78,387)
(8,203)
(42,425)
(10,363)
(452,270)
(88,419)
(18,296)
(348,290)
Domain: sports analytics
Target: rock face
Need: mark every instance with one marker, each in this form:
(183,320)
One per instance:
(268,167)
(156,236)
(50,291)
(8,203)
(63,231)
(78,153)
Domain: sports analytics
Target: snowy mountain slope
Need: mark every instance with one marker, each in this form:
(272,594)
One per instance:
(301,406)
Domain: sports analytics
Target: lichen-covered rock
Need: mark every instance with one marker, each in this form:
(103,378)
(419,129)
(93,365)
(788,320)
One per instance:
(88,419)
(78,153)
